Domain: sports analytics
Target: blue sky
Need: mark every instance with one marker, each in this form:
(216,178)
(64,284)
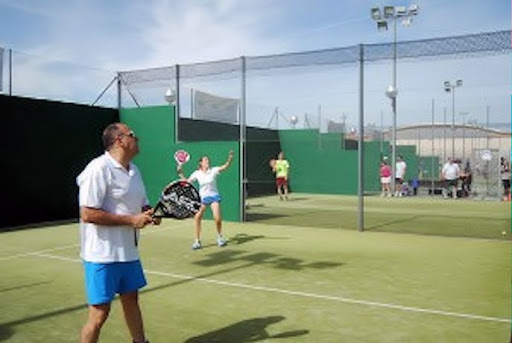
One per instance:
(123,35)
(119,34)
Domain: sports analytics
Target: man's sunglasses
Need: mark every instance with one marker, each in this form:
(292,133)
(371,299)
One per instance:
(129,134)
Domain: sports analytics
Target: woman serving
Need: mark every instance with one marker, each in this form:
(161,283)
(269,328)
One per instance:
(206,177)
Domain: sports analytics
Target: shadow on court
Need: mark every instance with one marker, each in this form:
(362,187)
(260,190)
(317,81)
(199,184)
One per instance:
(242,238)
(23,286)
(250,330)
(215,259)
(270,259)
(5,333)
(409,219)
(235,257)
(252,217)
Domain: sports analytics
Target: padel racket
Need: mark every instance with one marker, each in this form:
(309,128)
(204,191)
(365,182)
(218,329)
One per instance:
(179,200)
(272,164)
(181,157)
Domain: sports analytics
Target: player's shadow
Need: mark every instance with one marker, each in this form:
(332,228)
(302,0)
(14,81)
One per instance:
(5,333)
(250,330)
(242,238)
(271,259)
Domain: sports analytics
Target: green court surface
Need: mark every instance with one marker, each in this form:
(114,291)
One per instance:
(420,215)
(288,277)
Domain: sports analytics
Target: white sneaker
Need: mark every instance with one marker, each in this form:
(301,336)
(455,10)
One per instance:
(221,242)
(196,245)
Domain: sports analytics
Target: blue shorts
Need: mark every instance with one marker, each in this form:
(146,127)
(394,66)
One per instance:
(104,280)
(210,199)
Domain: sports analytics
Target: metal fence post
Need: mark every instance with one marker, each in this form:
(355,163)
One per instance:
(360,155)
(243,183)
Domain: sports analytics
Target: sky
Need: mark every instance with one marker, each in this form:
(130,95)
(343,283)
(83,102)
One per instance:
(116,35)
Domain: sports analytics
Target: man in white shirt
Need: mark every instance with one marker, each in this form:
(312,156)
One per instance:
(450,175)
(113,207)
(400,169)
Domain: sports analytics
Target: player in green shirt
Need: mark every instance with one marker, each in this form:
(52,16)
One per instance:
(281,168)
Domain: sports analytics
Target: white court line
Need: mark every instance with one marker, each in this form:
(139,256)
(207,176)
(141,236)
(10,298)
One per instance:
(38,252)
(308,295)
(146,232)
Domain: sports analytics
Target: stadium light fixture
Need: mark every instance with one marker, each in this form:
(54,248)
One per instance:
(382,25)
(392,14)
(170,96)
(389,11)
(401,11)
(375,13)
(391,92)
(413,9)
(294,120)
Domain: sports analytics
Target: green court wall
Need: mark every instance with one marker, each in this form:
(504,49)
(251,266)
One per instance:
(425,164)
(156,129)
(408,152)
(319,164)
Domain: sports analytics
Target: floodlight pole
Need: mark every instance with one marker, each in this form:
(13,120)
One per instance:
(393,105)
(444,134)
(393,13)
(450,87)
(453,121)
(463,114)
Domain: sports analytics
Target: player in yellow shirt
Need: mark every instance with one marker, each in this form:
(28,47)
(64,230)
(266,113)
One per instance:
(281,167)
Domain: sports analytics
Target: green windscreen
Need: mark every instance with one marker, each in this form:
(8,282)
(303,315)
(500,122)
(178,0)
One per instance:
(320,164)
(156,129)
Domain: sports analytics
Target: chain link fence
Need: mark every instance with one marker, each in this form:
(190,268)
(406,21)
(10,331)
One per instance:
(44,77)
(310,105)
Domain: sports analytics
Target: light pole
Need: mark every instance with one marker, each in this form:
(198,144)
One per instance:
(463,115)
(474,132)
(444,134)
(393,13)
(450,87)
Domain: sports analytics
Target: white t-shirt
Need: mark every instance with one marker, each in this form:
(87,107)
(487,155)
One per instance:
(400,169)
(450,171)
(107,185)
(207,181)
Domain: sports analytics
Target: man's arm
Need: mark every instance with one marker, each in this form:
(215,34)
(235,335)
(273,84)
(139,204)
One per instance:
(100,217)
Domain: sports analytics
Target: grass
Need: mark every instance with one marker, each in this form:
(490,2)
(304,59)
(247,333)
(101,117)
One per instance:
(278,282)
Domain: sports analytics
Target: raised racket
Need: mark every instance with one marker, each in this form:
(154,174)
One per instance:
(272,164)
(181,157)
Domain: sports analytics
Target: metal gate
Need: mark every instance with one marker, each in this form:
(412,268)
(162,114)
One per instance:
(486,183)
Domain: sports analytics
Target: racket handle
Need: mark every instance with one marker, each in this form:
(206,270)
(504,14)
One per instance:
(155,209)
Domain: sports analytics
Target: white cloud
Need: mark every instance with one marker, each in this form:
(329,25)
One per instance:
(204,31)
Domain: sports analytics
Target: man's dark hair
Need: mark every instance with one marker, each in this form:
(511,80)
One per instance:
(110,134)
